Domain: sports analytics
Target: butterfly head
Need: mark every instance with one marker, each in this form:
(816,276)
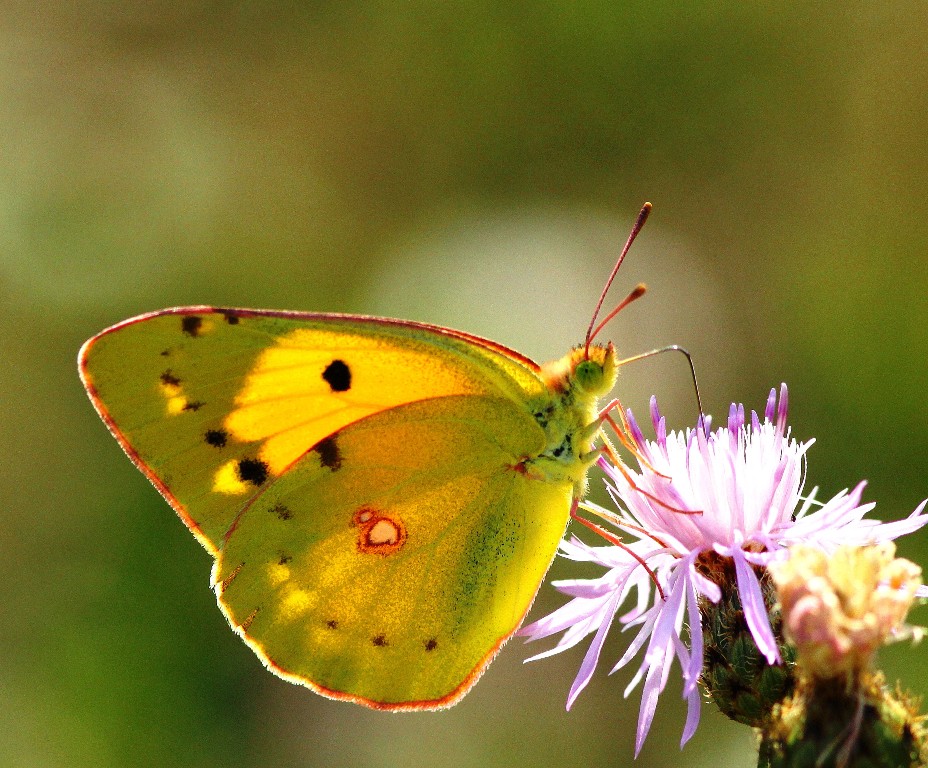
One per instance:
(587,373)
(594,370)
(569,412)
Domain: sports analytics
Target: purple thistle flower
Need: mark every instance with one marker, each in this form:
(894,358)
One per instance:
(735,492)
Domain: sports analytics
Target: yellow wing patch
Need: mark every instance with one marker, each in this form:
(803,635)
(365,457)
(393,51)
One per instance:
(227,480)
(173,393)
(311,383)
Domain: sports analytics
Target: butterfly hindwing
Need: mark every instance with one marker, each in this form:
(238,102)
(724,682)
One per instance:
(215,404)
(389,563)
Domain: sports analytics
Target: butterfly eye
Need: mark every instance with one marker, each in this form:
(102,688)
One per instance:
(588,375)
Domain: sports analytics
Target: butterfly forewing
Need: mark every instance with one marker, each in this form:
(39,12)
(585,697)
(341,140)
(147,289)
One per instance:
(214,404)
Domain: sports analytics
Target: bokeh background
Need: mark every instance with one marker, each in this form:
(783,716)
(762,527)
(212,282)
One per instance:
(466,163)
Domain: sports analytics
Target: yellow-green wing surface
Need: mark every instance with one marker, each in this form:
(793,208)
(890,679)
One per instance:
(213,405)
(388,564)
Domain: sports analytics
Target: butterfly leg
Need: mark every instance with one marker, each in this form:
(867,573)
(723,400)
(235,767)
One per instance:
(616,541)
(622,431)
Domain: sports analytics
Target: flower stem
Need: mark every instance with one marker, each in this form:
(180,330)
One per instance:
(829,724)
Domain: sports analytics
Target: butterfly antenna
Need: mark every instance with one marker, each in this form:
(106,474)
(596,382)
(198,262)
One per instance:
(689,359)
(639,223)
(637,293)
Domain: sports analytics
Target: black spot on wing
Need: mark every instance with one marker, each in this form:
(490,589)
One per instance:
(338,376)
(190,325)
(284,513)
(284,559)
(193,405)
(329,454)
(216,437)
(252,471)
(169,378)
(431,644)
(380,641)
(230,317)
(332,624)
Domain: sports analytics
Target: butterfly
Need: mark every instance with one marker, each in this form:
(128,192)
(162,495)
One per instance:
(382,498)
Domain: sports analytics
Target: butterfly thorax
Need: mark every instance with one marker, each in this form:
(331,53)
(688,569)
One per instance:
(569,414)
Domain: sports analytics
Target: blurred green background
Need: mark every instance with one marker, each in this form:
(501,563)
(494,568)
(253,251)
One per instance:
(471,164)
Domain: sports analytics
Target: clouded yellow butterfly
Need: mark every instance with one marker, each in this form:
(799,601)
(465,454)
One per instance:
(382,498)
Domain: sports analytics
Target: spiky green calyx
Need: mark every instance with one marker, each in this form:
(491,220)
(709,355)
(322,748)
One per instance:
(736,675)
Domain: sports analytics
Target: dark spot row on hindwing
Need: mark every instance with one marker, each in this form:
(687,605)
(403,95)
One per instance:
(190,325)
(329,454)
(193,405)
(216,437)
(284,513)
(284,558)
(337,375)
(252,471)
(230,317)
(380,641)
